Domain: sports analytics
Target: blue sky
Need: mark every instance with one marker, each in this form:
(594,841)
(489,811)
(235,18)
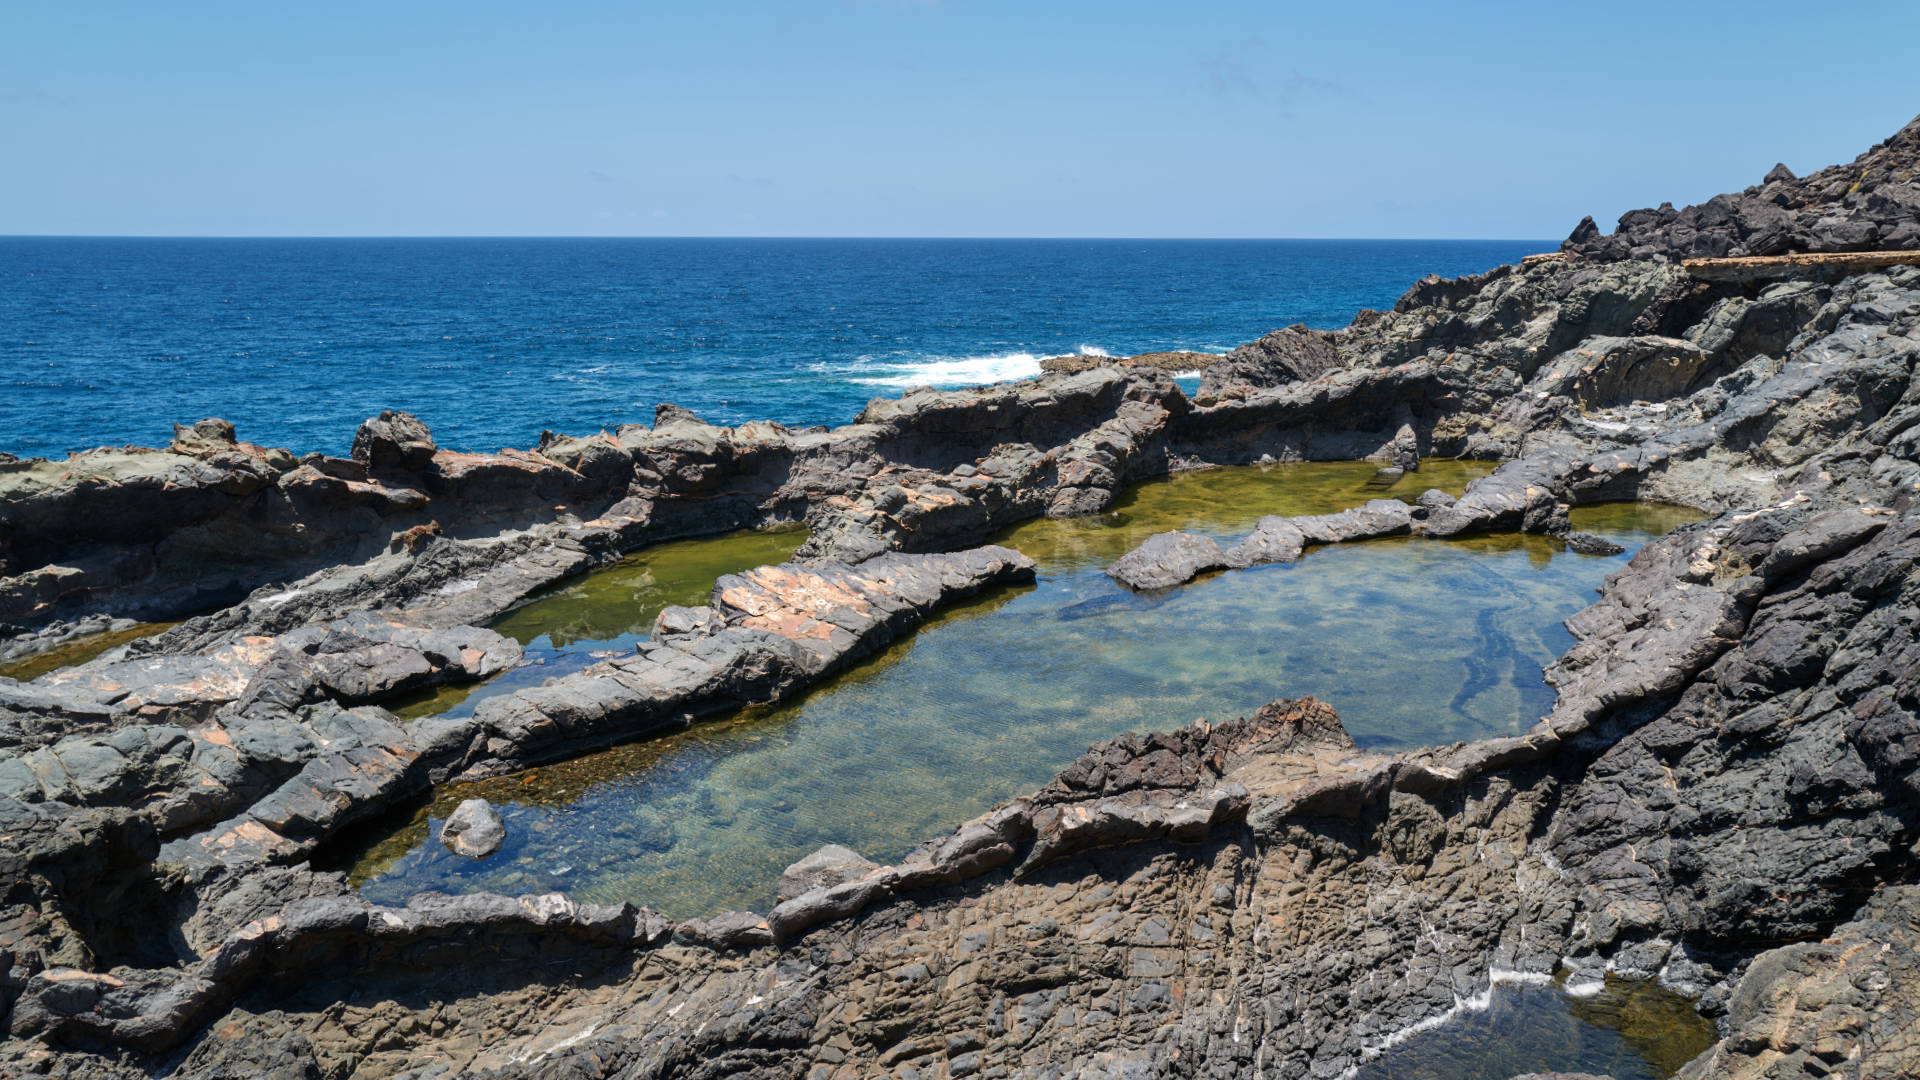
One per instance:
(952,118)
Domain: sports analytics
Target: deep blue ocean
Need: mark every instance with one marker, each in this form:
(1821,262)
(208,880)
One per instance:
(110,341)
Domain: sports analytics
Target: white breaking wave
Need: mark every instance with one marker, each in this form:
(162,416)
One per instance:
(950,371)
(956,371)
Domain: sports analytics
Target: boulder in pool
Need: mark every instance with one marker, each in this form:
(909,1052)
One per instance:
(1274,540)
(1167,559)
(474,830)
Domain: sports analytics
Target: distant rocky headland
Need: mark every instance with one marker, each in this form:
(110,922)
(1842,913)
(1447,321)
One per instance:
(1724,797)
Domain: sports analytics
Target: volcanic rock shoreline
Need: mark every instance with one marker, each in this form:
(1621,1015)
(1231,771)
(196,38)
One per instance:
(1725,795)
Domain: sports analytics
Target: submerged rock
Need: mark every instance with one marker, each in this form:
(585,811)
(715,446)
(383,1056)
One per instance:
(1587,543)
(474,829)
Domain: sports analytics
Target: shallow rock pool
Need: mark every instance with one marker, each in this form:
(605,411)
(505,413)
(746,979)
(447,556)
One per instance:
(1626,1030)
(77,651)
(575,623)
(1416,642)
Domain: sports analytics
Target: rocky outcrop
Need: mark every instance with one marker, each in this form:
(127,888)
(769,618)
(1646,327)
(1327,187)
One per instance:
(1871,204)
(275,763)
(1292,354)
(1849,1003)
(1147,907)
(404,522)
(211,519)
(1725,794)
(914,507)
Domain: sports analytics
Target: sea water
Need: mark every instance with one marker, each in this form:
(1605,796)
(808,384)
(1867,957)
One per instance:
(111,341)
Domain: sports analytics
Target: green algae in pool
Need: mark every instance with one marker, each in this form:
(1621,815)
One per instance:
(1224,503)
(574,623)
(1629,522)
(617,605)
(1628,1030)
(78,651)
(1416,642)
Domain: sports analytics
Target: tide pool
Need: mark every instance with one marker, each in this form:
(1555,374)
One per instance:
(1416,642)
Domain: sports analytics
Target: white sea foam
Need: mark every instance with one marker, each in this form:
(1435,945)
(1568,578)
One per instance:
(948,371)
(951,371)
(1479,1001)
(1583,988)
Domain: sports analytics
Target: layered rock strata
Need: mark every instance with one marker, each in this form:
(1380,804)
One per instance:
(1723,795)
(278,763)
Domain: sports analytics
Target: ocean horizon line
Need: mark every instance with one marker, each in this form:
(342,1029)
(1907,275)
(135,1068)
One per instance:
(902,239)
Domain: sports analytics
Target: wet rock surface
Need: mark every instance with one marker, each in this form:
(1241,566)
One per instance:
(1725,795)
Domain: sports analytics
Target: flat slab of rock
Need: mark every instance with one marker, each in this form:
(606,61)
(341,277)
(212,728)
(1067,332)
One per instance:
(1378,517)
(1166,560)
(831,865)
(1175,558)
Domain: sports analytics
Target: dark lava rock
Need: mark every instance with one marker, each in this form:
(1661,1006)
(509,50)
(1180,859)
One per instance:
(1293,354)
(393,441)
(1172,363)
(1725,791)
(1379,517)
(1273,540)
(1586,543)
(1853,997)
(1871,204)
